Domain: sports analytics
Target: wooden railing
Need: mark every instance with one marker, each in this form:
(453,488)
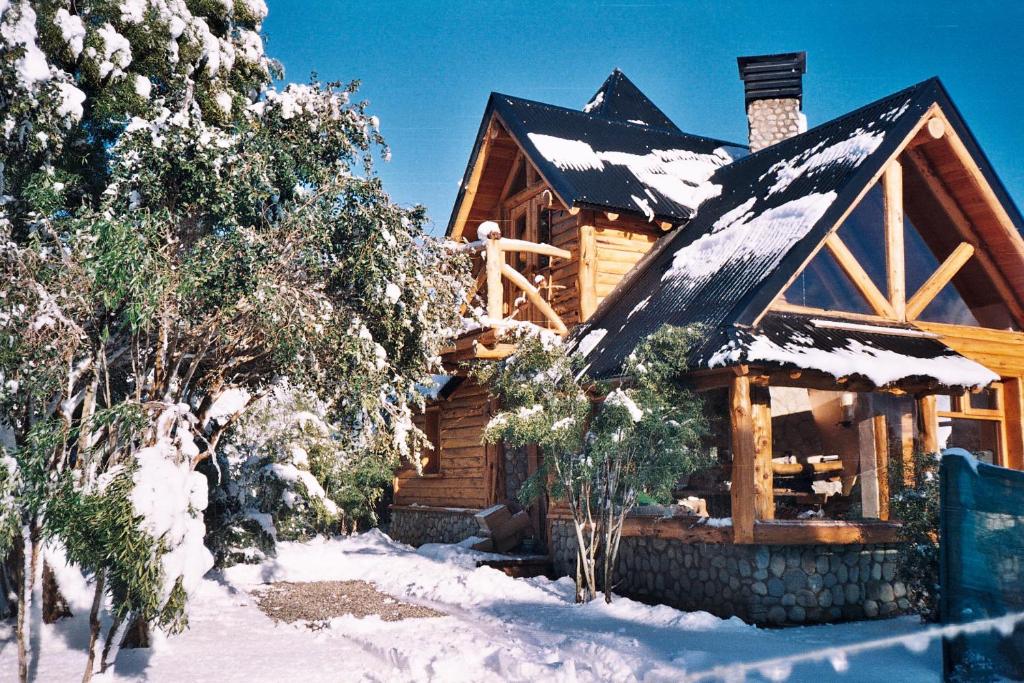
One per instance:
(493,248)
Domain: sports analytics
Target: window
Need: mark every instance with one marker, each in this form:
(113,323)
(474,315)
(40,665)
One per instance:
(973,421)
(543,234)
(824,285)
(938,250)
(430,458)
(832,451)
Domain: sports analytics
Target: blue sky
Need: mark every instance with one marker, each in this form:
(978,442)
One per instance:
(427,67)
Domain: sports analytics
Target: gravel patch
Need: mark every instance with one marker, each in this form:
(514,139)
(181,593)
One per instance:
(320,601)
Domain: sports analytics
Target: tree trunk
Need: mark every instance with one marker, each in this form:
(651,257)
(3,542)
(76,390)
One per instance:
(24,590)
(94,626)
(27,598)
(54,605)
(112,634)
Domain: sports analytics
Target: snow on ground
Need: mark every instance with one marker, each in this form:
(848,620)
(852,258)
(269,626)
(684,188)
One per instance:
(497,628)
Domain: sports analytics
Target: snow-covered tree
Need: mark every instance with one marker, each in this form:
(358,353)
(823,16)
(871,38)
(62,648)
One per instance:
(172,228)
(286,473)
(598,455)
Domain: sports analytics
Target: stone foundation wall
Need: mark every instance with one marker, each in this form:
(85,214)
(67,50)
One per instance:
(417,526)
(762,584)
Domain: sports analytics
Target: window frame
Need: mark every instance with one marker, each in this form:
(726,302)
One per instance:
(961,409)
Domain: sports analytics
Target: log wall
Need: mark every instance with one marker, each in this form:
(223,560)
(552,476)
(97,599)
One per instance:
(468,467)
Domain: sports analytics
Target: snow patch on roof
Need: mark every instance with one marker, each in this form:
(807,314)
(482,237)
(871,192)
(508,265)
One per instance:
(881,366)
(681,175)
(741,235)
(588,342)
(851,152)
(594,103)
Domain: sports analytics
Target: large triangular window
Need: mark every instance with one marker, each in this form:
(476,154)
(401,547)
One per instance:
(863,233)
(903,253)
(824,285)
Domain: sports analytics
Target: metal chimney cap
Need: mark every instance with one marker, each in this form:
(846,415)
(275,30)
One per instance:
(773,76)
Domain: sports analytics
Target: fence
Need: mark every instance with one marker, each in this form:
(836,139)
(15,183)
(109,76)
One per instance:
(982,567)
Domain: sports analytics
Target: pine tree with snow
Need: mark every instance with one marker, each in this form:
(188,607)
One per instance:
(174,228)
(598,457)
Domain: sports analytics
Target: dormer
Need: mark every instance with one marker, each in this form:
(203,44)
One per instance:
(570,200)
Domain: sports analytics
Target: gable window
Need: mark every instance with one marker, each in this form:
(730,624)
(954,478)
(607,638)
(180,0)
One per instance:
(430,458)
(904,253)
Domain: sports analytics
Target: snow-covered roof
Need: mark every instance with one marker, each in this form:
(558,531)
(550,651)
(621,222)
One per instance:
(775,209)
(883,355)
(620,153)
(619,99)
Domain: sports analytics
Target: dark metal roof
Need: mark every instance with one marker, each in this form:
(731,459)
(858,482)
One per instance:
(607,184)
(728,264)
(882,355)
(606,129)
(619,100)
(773,76)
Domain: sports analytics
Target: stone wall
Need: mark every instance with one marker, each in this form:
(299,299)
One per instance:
(773,120)
(762,584)
(417,526)
(517,470)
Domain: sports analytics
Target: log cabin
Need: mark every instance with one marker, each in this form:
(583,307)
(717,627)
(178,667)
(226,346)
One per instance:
(861,285)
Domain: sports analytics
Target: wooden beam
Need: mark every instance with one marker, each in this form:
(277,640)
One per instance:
(981,183)
(744,450)
(907,446)
(825,532)
(952,209)
(764,490)
(928,424)
(861,280)
(1013,407)
(939,279)
(895,262)
(495,297)
(469,192)
(936,128)
(519,160)
(587,275)
(533,294)
(507,244)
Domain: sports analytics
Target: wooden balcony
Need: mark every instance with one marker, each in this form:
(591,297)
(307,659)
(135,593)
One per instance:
(511,298)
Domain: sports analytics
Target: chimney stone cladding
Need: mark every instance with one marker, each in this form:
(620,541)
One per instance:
(772,120)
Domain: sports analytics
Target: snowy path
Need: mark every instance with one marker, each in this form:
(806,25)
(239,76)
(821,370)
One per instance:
(497,629)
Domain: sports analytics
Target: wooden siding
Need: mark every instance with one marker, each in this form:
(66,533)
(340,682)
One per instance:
(620,244)
(468,467)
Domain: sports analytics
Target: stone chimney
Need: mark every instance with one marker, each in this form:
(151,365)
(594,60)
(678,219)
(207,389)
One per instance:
(773,89)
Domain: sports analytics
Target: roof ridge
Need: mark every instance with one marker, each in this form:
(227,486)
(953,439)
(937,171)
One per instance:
(618,122)
(850,114)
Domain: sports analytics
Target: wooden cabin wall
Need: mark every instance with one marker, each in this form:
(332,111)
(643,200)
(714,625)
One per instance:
(468,468)
(1002,352)
(565,289)
(620,244)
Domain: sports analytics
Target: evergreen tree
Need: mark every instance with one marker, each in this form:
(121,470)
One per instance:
(173,228)
(600,454)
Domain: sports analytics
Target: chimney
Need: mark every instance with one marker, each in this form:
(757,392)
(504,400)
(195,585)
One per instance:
(773,90)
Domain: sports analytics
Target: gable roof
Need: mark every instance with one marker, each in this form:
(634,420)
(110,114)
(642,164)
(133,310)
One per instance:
(619,99)
(597,160)
(731,261)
